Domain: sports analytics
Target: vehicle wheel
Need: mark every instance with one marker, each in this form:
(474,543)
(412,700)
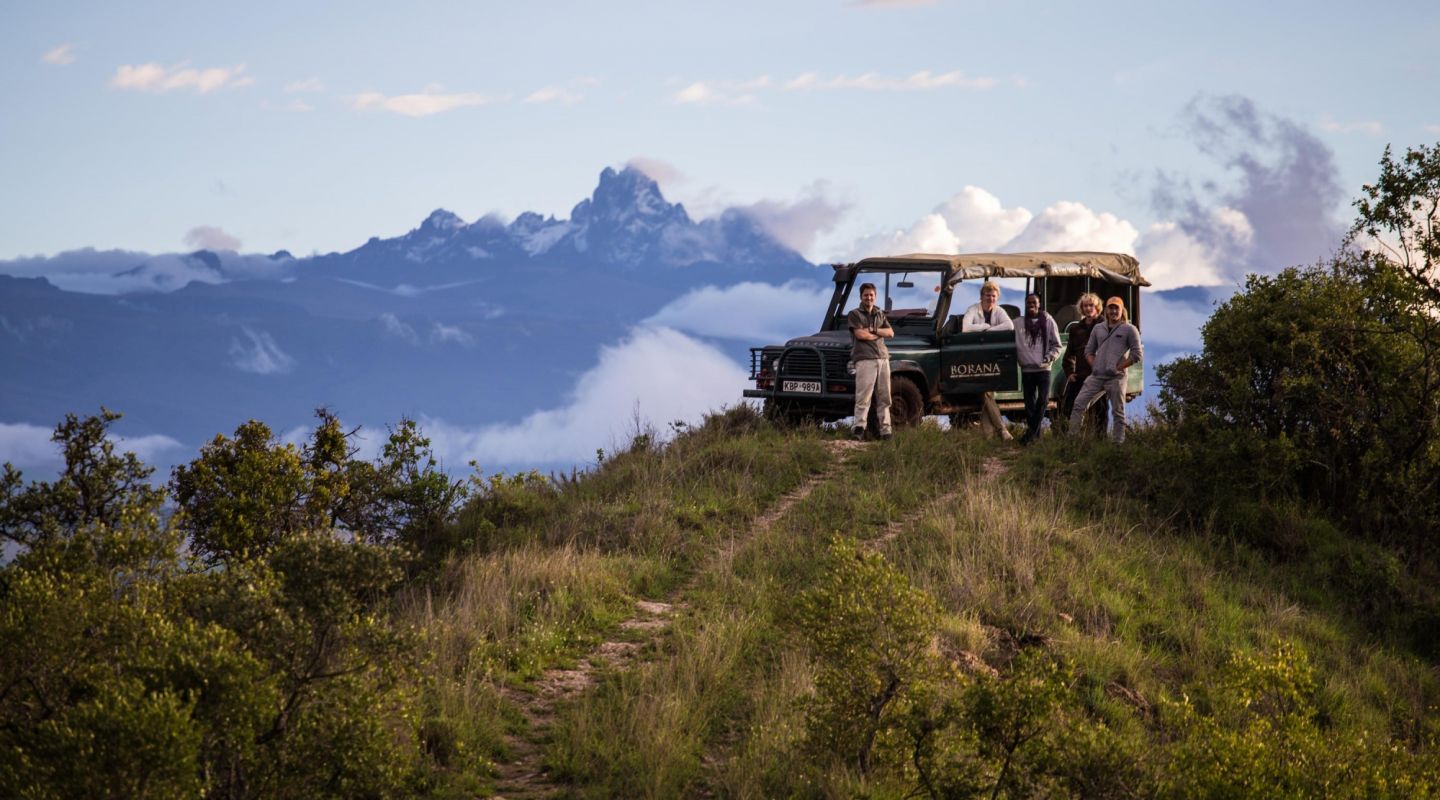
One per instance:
(907,405)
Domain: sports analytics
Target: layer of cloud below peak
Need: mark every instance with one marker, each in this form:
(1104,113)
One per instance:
(657,374)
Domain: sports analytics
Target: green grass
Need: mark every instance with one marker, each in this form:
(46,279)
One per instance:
(1143,607)
(560,565)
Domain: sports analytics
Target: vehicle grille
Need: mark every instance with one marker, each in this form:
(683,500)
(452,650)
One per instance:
(811,362)
(801,363)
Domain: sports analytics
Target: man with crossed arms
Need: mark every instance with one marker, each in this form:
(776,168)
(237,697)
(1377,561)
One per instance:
(868,331)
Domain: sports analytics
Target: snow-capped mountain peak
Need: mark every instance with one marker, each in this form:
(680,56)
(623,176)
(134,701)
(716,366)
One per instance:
(442,221)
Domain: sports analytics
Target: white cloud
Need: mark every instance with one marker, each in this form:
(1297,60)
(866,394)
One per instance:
(444,334)
(147,448)
(430,101)
(261,355)
(1172,256)
(796,224)
(28,446)
(83,260)
(973,220)
(30,449)
(929,234)
(660,374)
(976,221)
(1432,128)
(746,311)
(119,271)
(874,82)
(662,172)
(154,77)
(1068,225)
(736,93)
(712,93)
(553,94)
(1367,127)
(308,85)
(210,237)
(60,56)
(394,327)
(979,222)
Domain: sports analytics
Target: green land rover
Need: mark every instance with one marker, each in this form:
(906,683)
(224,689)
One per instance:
(935,366)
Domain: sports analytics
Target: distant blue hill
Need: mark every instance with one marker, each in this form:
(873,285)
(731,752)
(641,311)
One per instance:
(473,323)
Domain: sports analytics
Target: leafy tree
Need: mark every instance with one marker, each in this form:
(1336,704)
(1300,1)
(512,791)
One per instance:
(1325,381)
(269,667)
(403,497)
(246,494)
(242,495)
(101,510)
(1399,217)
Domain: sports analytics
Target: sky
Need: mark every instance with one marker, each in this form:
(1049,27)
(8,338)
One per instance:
(162,127)
(1210,139)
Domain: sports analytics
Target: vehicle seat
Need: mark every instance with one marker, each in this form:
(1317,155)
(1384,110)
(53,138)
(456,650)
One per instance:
(1013,311)
(952,325)
(1066,315)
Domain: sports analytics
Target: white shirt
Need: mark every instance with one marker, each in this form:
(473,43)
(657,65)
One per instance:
(975,320)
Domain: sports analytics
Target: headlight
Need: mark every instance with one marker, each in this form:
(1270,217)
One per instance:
(850,367)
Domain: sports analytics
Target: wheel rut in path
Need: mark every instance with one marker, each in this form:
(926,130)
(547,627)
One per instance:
(991,469)
(523,775)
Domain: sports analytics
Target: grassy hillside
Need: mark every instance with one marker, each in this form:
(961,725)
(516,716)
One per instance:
(747,611)
(931,616)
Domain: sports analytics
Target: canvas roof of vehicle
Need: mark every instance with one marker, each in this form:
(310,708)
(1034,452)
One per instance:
(1111,267)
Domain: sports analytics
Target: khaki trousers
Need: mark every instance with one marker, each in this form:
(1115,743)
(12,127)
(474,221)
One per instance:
(990,420)
(1114,391)
(872,378)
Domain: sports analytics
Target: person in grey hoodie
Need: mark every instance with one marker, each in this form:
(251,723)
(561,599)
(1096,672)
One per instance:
(1037,345)
(1114,345)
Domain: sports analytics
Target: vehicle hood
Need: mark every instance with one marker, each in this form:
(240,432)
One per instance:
(823,339)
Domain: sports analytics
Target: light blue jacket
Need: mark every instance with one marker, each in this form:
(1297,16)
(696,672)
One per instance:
(1110,344)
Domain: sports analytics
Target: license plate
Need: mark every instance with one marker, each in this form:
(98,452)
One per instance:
(811,387)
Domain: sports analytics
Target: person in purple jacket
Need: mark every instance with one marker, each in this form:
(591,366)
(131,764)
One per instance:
(1037,344)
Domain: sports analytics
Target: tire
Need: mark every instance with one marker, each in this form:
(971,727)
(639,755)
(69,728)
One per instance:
(907,404)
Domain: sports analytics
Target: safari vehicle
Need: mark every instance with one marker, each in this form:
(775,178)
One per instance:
(935,366)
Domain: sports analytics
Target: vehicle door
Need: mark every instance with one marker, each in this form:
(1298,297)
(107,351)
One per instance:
(971,363)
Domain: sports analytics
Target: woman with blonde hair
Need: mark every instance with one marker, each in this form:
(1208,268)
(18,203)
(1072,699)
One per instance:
(1077,367)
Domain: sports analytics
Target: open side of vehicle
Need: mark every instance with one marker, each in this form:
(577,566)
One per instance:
(936,367)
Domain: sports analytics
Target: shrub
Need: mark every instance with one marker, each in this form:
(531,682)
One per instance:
(128,670)
(1258,732)
(870,632)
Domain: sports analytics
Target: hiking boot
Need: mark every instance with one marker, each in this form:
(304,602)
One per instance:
(885,437)
(857,433)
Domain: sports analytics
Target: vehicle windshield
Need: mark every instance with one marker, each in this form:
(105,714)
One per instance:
(904,293)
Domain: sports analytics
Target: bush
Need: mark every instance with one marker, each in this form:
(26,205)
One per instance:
(1259,732)
(870,632)
(274,669)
